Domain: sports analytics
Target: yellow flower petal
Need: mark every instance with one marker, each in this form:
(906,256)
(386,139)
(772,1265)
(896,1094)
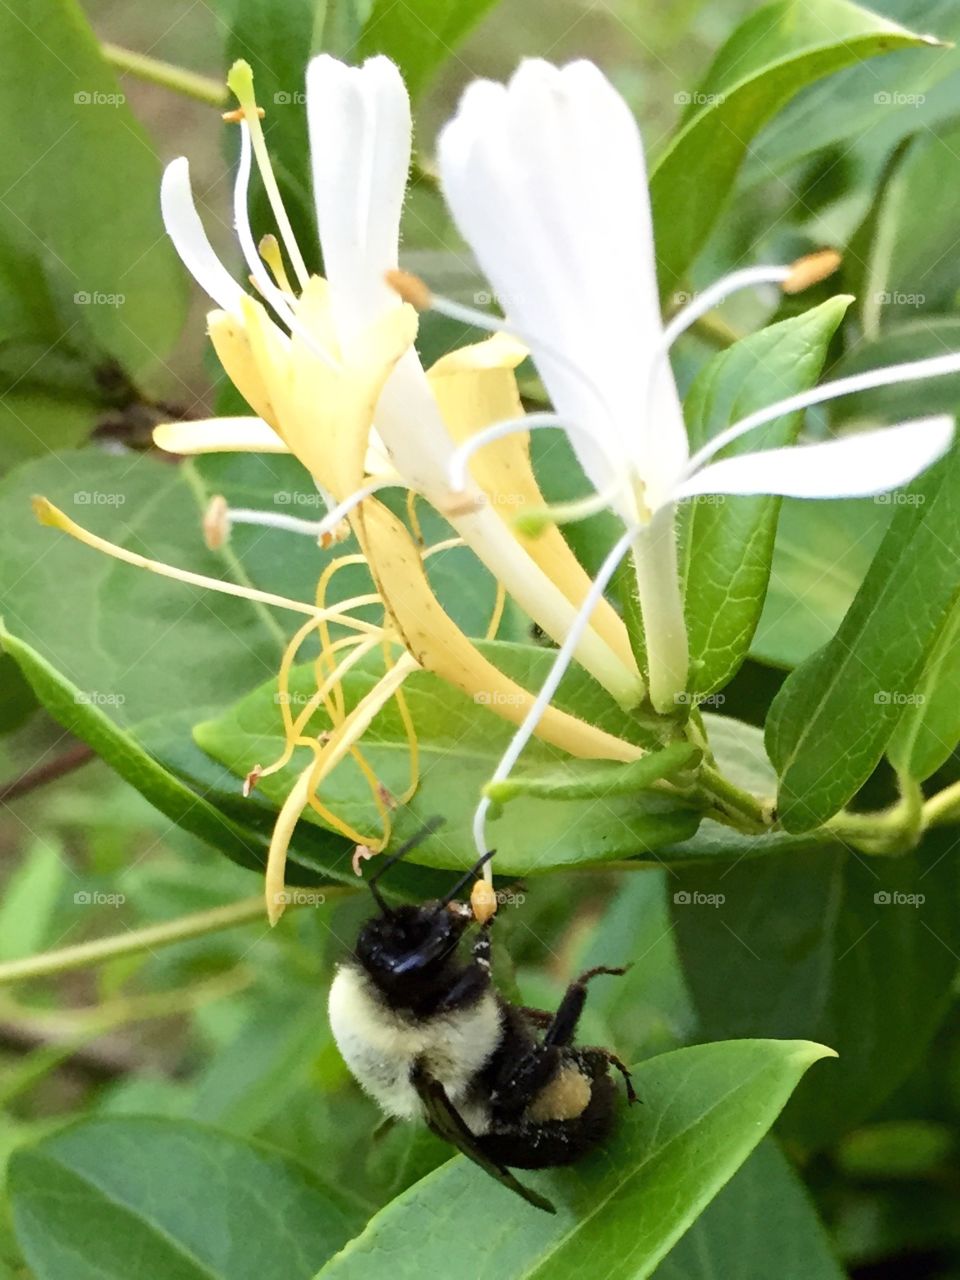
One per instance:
(232,345)
(438,644)
(474,387)
(218,435)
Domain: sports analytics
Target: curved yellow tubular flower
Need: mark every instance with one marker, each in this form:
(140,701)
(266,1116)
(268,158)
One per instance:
(475,386)
(438,644)
(328,757)
(327,414)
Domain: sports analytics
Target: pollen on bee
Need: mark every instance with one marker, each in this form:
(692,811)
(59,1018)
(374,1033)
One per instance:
(810,270)
(483,901)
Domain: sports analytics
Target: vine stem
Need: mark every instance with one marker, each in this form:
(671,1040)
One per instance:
(943,807)
(202,88)
(134,941)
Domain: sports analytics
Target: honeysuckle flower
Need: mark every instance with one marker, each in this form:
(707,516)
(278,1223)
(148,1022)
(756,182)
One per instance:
(318,362)
(546,180)
(359,123)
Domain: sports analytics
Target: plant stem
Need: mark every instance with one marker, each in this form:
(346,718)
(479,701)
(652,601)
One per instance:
(73,758)
(134,941)
(189,83)
(661,607)
(733,800)
(942,808)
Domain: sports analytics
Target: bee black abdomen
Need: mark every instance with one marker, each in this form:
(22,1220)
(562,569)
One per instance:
(545,1144)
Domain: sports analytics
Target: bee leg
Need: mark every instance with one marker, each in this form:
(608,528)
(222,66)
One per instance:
(564,1025)
(482,953)
(619,1065)
(475,978)
(536,1068)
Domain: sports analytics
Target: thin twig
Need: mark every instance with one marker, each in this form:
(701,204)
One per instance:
(73,758)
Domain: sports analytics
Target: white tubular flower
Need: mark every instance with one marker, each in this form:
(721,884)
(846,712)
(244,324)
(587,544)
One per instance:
(360,139)
(546,179)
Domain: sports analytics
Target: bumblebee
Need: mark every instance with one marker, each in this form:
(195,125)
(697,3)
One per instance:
(425,1032)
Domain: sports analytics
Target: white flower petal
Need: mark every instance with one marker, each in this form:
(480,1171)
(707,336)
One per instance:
(360,130)
(185,229)
(547,181)
(852,467)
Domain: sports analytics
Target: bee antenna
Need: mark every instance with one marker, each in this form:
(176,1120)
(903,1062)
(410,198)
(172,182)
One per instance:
(477,866)
(427,829)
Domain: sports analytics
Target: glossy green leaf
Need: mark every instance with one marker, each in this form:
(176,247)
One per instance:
(460,743)
(913,265)
(594,779)
(84,718)
(728,541)
(929,728)
(762,1224)
(418,37)
(861,113)
(831,721)
(821,556)
(915,339)
(860,953)
(85,165)
(99,1198)
(618,1212)
(17,700)
(769,58)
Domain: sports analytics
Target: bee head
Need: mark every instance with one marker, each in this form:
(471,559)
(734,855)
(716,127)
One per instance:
(409,943)
(405,946)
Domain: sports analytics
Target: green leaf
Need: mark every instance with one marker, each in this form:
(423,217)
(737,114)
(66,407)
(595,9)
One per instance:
(761,1224)
(594,779)
(97,1199)
(728,541)
(929,728)
(17,702)
(909,340)
(860,953)
(418,38)
(862,115)
(831,721)
(85,165)
(821,556)
(769,58)
(912,264)
(460,745)
(31,896)
(618,1212)
(81,716)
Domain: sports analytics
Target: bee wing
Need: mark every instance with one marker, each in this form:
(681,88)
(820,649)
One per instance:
(447,1123)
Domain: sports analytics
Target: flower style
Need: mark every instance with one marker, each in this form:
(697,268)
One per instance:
(546,180)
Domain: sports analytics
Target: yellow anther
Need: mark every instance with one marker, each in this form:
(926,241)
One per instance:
(811,269)
(269,250)
(410,288)
(483,901)
(216,523)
